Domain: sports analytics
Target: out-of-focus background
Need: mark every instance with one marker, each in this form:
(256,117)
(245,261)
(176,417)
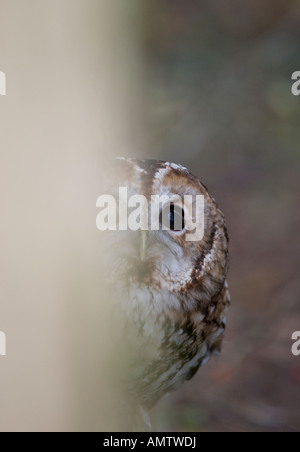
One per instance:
(221,104)
(203,83)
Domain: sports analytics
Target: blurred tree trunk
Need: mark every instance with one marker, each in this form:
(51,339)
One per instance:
(73,99)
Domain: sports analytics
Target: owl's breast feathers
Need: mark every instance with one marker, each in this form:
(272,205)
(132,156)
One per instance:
(173,343)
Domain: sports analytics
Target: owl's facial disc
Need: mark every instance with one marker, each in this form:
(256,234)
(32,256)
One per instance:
(164,257)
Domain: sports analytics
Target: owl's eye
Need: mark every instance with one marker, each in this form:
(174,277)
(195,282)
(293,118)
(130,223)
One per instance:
(172,218)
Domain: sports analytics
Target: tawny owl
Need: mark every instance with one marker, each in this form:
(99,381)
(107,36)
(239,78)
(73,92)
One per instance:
(171,293)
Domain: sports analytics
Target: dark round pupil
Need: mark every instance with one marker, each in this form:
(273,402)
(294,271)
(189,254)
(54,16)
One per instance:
(172,217)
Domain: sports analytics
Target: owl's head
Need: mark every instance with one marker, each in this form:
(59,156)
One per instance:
(183,246)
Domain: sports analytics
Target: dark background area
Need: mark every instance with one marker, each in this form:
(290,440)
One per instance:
(220,102)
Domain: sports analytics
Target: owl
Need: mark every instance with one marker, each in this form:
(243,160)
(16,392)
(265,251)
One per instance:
(170,292)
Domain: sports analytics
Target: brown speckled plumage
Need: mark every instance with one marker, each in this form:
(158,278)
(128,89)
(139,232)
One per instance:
(174,303)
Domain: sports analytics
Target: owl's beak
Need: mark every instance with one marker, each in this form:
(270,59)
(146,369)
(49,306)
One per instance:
(143,245)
